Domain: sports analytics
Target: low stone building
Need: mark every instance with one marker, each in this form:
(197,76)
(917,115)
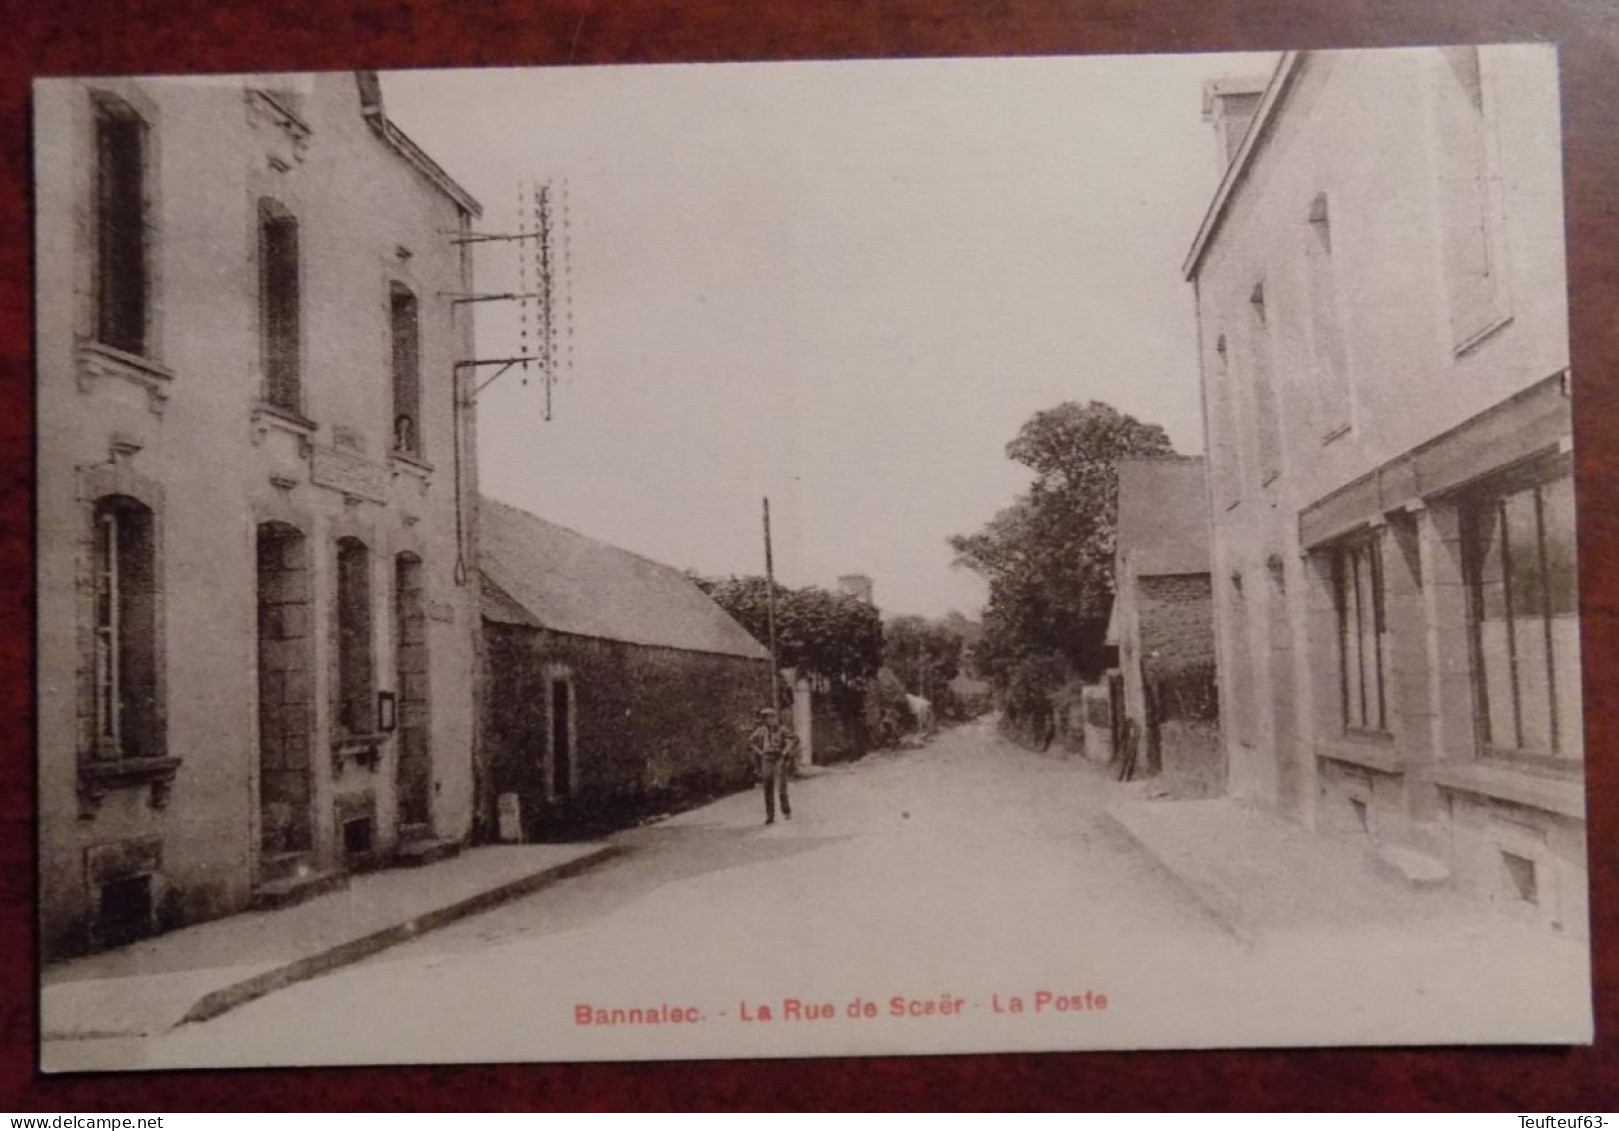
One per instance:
(257,605)
(616,688)
(1163,620)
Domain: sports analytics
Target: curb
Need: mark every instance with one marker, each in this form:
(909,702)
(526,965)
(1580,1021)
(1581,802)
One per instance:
(219,1001)
(1217,910)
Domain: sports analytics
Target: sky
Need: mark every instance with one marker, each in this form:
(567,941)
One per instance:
(842,286)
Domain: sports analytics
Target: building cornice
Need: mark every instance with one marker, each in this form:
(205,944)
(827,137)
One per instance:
(1276,91)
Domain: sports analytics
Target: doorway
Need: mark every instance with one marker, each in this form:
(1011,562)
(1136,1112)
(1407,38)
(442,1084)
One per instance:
(414,768)
(561,783)
(286,697)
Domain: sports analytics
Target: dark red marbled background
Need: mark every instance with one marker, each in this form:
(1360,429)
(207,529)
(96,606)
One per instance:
(78,36)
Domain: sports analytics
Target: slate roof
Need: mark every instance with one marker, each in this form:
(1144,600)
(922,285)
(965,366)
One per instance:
(541,575)
(1163,515)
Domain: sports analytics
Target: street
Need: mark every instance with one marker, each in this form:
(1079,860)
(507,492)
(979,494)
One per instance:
(454,484)
(967,895)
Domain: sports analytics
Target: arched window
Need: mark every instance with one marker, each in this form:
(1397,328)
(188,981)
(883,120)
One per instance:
(123,269)
(128,721)
(407,385)
(279,306)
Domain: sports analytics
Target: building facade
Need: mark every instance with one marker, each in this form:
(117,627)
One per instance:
(617,688)
(1162,620)
(257,600)
(1382,307)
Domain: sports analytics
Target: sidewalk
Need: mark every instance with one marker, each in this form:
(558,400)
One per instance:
(1260,874)
(200,972)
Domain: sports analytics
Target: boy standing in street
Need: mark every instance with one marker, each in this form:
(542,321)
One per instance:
(773,747)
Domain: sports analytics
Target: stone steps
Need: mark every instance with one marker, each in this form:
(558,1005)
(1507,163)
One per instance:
(1410,867)
(419,851)
(296,888)
(274,866)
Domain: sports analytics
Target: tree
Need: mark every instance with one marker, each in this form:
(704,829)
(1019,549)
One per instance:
(926,655)
(832,638)
(1048,557)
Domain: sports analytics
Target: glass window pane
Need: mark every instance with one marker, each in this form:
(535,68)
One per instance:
(1526,594)
(1495,656)
(1491,577)
(121,228)
(1562,594)
(1366,602)
(1526,589)
(1525,584)
(1557,517)
(1534,683)
(1566,657)
(1494,643)
(1351,640)
(1363,643)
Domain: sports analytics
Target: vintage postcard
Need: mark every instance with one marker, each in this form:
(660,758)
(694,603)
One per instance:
(807,559)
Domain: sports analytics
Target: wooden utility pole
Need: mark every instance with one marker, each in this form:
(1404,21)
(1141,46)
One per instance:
(770,614)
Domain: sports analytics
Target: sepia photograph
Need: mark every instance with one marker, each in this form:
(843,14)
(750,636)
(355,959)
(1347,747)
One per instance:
(854,558)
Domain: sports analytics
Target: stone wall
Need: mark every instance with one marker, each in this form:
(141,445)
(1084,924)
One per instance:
(1176,616)
(652,728)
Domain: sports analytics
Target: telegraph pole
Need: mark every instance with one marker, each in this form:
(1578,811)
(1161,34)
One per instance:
(770,613)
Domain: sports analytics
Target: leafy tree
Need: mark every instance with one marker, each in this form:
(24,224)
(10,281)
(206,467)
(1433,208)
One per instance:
(970,631)
(926,655)
(1048,557)
(830,637)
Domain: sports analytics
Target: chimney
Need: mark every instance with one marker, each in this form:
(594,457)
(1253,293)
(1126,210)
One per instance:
(1231,104)
(857,585)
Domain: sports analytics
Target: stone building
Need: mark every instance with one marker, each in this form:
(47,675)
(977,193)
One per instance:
(1163,621)
(1382,305)
(617,688)
(257,601)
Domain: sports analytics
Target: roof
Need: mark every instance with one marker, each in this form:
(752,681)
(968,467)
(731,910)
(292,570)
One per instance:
(1281,83)
(1164,515)
(395,139)
(542,575)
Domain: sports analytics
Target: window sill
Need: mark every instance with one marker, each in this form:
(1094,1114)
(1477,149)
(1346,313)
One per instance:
(292,131)
(407,463)
(289,419)
(98,360)
(99,778)
(266,418)
(1564,796)
(1368,751)
(361,749)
